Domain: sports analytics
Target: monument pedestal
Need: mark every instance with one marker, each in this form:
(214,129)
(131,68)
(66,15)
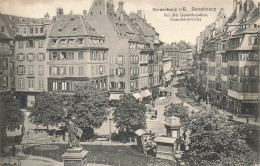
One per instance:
(75,157)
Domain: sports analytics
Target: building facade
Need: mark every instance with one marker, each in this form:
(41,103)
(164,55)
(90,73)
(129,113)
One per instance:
(77,54)
(229,59)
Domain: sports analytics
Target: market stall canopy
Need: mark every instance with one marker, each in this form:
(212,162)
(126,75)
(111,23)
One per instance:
(178,72)
(141,132)
(137,95)
(146,93)
(168,140)
(162,88)
(115,96)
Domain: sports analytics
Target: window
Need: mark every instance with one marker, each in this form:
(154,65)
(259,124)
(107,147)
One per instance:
(30,44)
(31,84)
(20,69)
(80,41)
(20,44)
(64,55)
(2,28)
(54,85)
(54,70)
(71,70)
(101,69)
(31,30)
(30,57)
(120,59)
(54,56)
(20,83)
(54,42)
(41,84)
(80,55)
(63,42)
(41,29)
(40,43)
(36,30)
(59,30)
(81,70)
(41,57)
(63,85)
(71,55)
(30,69)
(40,69)
(5,81)
(71,42)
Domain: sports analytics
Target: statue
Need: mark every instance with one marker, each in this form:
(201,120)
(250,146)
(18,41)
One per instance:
(74,135)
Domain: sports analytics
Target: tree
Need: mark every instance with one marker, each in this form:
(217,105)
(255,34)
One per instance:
(216,141)
(129,114)
(48,109)
(11,117)
(88,106)
(178,110)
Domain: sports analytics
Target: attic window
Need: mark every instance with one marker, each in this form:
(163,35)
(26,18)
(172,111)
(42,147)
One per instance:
(59,30)
(11,18)
(255,25)
(74,30)
(72,19)
(33,21)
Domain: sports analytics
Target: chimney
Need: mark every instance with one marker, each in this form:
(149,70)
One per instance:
(174,44)
(46,16)
(84,14)
(247,5)
(54,18)
(59,12)
(120,5)
(259,6)
(238,8)
(234,4)
(140,13)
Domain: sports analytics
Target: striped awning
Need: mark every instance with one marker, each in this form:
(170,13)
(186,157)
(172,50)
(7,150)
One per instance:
(115,96)
(137,95)
(146,93)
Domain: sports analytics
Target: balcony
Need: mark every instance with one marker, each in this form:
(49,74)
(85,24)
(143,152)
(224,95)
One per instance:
(243,96)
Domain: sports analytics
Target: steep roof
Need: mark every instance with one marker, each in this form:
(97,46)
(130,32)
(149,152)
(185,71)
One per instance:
(72,25)
(12,22)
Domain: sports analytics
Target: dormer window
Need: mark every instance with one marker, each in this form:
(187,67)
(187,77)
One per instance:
(59,30)
(54,41)
(72,19)
(74,30)
(80,41)
(33,22)
(71,42)
(63,42)
(11,18)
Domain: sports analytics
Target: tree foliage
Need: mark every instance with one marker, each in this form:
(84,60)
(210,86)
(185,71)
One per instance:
(88,106)
(48,109)
(129,115)
(216,141)
(11,117)
(178,110)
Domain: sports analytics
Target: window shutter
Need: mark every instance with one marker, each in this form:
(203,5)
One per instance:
(116,71)
(37,56)
(249,41)
(49,56)
(43,56)
(50,70)
(27,57)
(124,71)
(58,55)
(17,68)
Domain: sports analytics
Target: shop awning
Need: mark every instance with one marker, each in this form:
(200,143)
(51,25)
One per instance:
(137,95)
(162,88)
(168,140)
(115,96)
(146,93)
(178,72)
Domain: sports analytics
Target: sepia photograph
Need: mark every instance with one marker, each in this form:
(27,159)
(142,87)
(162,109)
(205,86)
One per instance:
(129,82)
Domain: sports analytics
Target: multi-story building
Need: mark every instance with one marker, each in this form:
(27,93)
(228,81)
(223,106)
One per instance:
(30,63)
(76,54)
(7,82)
(186,55)
(131,53)
(232,52)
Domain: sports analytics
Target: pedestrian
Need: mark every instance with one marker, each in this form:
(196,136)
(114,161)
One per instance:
(13,150)
(184,135)
(22,130)
(247,120)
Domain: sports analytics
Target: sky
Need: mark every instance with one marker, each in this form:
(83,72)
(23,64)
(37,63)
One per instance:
(170,31)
